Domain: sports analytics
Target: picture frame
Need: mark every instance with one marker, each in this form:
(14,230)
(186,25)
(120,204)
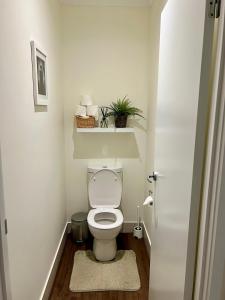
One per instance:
(39,74)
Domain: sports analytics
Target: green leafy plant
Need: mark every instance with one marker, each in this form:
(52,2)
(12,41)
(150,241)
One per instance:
(121,109)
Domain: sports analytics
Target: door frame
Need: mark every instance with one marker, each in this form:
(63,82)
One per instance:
(4,265)
(210,261)
(199,153)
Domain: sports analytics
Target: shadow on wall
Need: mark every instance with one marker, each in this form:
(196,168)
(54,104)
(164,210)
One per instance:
(104,145)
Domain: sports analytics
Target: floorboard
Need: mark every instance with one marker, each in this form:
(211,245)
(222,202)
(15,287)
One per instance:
(125,241)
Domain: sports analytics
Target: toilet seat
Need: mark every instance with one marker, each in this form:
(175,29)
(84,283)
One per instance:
(105,189)
(116,214)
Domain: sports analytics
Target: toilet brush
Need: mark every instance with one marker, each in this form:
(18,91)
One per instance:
(138,232)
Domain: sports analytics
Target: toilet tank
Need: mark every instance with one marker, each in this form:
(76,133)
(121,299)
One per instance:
(104,186)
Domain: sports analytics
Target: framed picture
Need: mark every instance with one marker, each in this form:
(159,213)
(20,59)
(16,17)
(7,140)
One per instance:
(39,68)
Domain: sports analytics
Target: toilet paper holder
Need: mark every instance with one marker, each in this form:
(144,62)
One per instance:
(149,200)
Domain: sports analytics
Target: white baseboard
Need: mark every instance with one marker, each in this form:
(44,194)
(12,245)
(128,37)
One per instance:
(127,227)
(147,239)
(54,266)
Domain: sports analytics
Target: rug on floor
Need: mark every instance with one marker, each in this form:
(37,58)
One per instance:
(121,274)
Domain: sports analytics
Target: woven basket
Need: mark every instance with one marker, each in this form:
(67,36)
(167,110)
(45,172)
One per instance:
(85,123)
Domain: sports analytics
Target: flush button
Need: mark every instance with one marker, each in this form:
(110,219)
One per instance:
(104,167)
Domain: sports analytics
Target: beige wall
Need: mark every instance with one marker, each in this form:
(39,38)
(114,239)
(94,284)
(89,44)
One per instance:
(32,144)
(106,54)
(155,15)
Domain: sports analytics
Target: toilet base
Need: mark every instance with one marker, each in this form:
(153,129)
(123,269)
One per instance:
(104,250)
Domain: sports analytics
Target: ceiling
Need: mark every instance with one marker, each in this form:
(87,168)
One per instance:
(108,2)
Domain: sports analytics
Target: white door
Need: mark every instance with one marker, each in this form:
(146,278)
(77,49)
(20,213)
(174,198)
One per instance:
(181,116)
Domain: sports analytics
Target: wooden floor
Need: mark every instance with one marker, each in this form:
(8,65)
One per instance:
(60,290)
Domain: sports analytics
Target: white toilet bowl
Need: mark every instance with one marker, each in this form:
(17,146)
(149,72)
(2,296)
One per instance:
(104,219)
(105,224)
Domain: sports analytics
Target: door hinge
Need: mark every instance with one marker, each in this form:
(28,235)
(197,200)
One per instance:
(6,226)
(214,8)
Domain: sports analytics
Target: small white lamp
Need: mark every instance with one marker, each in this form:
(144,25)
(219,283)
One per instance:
(86,100)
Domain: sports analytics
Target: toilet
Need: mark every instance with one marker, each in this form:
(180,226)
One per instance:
(105,219)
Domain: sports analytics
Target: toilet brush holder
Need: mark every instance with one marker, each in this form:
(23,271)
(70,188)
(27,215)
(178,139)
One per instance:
(138,232)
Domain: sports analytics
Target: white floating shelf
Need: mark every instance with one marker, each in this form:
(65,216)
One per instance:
(105,130)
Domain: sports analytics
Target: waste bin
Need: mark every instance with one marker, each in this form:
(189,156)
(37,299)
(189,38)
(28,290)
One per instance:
(79,227)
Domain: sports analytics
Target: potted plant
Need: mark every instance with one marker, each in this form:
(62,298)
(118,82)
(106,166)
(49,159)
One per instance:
(121,110)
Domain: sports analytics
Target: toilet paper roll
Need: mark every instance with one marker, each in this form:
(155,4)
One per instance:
(86,100)
(92,110)
(81,111)
(149,200)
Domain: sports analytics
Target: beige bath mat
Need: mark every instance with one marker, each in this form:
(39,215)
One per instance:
(121,274)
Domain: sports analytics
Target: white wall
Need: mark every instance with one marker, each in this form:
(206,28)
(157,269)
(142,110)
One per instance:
(106,54)
(32,144)
(155,17)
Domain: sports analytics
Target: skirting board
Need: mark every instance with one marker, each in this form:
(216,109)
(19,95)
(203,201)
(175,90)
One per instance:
(147,239)
(54,266)
(127,227)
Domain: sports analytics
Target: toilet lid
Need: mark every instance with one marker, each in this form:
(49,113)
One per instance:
(105,189)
